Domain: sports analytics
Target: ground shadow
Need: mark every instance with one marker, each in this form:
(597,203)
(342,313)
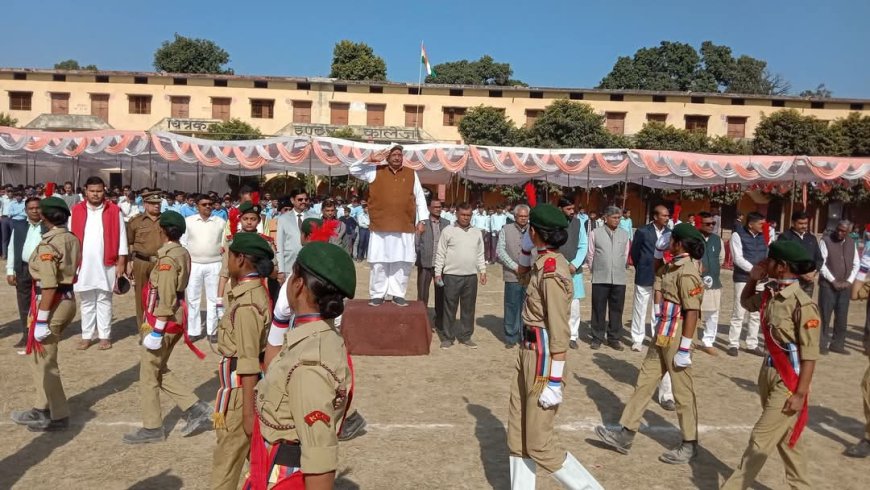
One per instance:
(121,329)
(163,481)
(492,437)
(707,470)
(342,481)
(621,371)
(205,392)
(11,329)
(17,464)
(823,419)
(494,324)
(748,385)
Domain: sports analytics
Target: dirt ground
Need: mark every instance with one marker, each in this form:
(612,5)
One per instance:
(435,421)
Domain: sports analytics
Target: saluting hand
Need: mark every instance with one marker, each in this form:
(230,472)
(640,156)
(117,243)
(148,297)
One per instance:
(379,156)
(759,271)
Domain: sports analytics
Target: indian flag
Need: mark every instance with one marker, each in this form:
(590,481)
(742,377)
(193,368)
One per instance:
(425,59)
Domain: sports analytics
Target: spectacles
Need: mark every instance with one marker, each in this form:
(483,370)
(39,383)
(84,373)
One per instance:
(302,199)
(711,223)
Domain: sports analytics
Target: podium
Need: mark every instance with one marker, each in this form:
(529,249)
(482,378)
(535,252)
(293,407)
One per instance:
(386,330)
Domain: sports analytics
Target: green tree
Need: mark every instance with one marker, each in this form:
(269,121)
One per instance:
(660,136)
(856,130)
(485,71)
(788,132)
(73,65)
(357,61)
(567,124)
(7,120)
(234,129)
(484,125)
(191,55)
(821,92)
(345,133)
(724,144)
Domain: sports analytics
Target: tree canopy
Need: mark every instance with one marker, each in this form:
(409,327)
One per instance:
(234,129)
(855,129)
(821,92)
(485,71)
(73,65)
(788,132)
(675,66)
(484,125)
(567,124)
(191,55)
(7,120)
(357,61)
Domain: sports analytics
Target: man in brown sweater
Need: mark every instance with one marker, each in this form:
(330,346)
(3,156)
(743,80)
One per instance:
(397,208)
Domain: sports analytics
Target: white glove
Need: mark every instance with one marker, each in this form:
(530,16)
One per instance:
(153,341)
(683,358)
(708,282)
(219,306)
(662,244)
(40,327)
(550,396)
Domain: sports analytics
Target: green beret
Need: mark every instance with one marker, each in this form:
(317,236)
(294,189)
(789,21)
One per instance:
(53,203)
(330,263)
(685,230)
(309,223)
(252,244)
(788,251)
(249,207)
(172,218)
(548,217)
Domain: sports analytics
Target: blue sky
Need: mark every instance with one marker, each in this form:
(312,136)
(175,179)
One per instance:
(548,43)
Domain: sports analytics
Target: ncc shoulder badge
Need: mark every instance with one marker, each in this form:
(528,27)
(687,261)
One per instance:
(316,415)
(812,324)
(698,290)
(164,267)
(550,265)
(46,257)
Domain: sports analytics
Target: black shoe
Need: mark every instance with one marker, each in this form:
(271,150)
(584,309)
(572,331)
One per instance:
(22,343)
(733,351)
(839,350)
(399,301)
(353,426)
(30,417)
(669,405)
(446,344)
(860,450)
(144,436)
(196,417)
(682,454)
(50,425)
(758,351)
(376,301)
(572,344)
(620,440)
(823,349)
(468,343)
(615,345)
(195,338)
(595,345)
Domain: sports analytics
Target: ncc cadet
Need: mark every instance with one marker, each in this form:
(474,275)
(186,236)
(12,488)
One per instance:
(241,340)
(249,220)
(143,237)
(679,291)
(53,267)
(163,328)
(861,291)
(537,391)
(790,324)
(303,398)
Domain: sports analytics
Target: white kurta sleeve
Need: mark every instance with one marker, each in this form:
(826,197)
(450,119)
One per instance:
(420,200)
(122,248)
(363,171)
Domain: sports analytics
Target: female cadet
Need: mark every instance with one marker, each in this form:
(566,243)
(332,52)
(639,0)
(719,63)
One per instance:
(301,402)
(679,291)
(53,267)
(241,340)
(790,323)
(537,391)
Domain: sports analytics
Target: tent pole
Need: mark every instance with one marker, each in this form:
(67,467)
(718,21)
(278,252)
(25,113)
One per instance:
(151,175)
(26,169)
(588,183)
(625,187)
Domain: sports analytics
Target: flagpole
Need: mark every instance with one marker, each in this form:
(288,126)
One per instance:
(419,92)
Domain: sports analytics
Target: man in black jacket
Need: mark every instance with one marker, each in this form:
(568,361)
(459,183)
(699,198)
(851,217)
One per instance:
(427,245)
(800,224)
(642,250)
(569,251)
(26,235)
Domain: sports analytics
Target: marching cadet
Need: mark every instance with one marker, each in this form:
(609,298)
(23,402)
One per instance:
(249,220)
(790,324)
(163,328)
(241,339)
(537,391)
(861,291)
(303,398)
(143,238)
(53,267)
(679,291)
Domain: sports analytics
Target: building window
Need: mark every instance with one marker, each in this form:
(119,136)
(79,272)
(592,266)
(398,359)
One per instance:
(614,122)
(532,116)
(738,102)
(302,111)
(536,95)
(456,92)
(657,118)
(617,97)
(59,103)
(140,80)
(338,113)
(339,88)
(495,93)
(220,108)
(576,96)
(20,101)
(778,103)
(19,76)
(413,116)
(452,115)
(376,89)
(736,127)
(698,100)
(261,84)
(101,78)
(262,108)
(303,86)
(660,98)
(375,114)
(856,107)
(817,105)
(413,90)
(220,83)
(100,106)
(180,107)
(58,77)
(140,104)
(697,124)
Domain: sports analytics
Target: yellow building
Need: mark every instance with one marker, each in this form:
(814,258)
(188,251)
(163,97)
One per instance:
(377,111)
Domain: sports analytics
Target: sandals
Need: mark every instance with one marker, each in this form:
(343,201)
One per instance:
(105,344)
(85,344)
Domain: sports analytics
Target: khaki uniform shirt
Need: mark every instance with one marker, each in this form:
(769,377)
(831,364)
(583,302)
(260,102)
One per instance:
(792,317)
(242,332)
(680,283)
(143,235)
(303,396)
(55,259)
(225,268)
(170,276)
(548,298)
(863,294)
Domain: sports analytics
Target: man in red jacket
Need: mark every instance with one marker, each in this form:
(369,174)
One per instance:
(98,225)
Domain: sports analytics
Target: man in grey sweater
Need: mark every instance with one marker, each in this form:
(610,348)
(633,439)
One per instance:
(458,261)
(608,255)
(508,253)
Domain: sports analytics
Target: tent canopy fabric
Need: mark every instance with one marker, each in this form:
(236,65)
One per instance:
(176,158)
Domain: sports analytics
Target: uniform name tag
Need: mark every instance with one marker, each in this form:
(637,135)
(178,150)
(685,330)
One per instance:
(316,415)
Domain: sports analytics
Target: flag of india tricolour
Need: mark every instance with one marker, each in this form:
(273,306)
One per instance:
(425,59)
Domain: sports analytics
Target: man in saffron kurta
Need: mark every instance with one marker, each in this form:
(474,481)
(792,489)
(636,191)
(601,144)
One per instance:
(396,205)
(99,226)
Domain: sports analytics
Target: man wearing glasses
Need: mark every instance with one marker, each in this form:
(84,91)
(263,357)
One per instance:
(711,265)
(643,248)
(288,240)
(204,240)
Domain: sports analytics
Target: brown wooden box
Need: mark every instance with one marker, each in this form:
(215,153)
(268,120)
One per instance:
(386,330)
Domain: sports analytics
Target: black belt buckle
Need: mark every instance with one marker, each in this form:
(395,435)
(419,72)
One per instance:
(144,257)
(289,454)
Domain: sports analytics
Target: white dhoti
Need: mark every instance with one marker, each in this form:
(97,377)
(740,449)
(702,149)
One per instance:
(391,256)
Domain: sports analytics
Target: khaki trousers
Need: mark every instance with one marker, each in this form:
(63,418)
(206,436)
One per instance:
(141,276)
(772,430)
(233,446)
(154,377)
(658,361)
(865,387)
(530,427)
(46,373)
